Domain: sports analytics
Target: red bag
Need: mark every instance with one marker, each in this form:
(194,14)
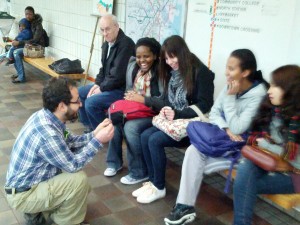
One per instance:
(123,110)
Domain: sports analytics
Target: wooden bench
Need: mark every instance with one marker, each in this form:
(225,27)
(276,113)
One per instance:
(43,65)
(286,201)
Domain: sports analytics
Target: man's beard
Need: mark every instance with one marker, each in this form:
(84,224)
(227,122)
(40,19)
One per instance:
(71,115)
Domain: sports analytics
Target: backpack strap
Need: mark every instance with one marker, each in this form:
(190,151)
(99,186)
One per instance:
(234,158)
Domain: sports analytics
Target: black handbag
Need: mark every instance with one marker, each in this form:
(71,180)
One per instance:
(67,66)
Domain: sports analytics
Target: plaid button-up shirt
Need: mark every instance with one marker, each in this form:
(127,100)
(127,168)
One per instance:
(44,148)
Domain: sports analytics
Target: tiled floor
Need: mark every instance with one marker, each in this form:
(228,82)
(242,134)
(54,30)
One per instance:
(110,202)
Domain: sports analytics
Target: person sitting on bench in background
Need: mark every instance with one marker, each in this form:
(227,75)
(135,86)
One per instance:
(37,38)
(25,34)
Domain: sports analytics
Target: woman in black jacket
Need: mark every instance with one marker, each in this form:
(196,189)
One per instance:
(186,81)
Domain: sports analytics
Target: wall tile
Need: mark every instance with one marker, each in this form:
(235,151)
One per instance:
(70,27)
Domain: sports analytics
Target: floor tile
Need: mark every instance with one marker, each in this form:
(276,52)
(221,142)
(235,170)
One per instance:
(7,218)
(118,203)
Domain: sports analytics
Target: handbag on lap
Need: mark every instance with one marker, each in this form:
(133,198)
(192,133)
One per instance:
(176,129)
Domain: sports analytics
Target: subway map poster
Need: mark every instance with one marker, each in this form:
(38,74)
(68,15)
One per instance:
(155,18)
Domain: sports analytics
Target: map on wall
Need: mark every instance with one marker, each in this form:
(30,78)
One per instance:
(155,18)
(214,28)
(101,7)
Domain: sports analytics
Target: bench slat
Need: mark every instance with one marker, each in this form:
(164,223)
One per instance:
(43,65)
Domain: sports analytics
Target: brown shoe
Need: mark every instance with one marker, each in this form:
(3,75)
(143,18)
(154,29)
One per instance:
(14,76)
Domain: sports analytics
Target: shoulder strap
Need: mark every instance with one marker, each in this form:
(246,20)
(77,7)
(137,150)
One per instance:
(203,117)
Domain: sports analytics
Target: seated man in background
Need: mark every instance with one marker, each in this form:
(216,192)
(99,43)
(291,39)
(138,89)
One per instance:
(111,80)
(44,171)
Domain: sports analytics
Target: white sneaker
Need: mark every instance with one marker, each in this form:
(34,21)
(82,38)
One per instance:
(110,172)
(130,180)
(151,194)
(141,190)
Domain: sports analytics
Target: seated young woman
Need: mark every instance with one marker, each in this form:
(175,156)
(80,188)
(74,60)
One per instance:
(142,86)
(277,129)
(232,111)
(187,81)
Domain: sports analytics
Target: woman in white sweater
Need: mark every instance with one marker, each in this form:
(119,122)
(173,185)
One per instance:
(232,111)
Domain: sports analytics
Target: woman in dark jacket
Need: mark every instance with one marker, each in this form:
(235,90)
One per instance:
(187,81)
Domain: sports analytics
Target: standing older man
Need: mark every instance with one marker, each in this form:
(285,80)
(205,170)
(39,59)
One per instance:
(111,80)
(44,171)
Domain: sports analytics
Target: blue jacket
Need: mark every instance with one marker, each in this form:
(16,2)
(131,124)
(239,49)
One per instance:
(25,34)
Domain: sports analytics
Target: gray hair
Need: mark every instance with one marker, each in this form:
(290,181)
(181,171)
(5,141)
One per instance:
(112,17)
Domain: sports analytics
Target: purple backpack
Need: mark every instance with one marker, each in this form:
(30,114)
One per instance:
(211,140)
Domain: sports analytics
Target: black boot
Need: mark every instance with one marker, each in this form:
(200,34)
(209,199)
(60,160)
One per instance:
(34,219)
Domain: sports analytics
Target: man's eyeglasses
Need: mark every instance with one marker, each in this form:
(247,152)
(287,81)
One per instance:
(78,101)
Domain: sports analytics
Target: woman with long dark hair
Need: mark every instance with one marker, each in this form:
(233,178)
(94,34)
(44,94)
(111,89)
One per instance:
(187,81)
(275,128)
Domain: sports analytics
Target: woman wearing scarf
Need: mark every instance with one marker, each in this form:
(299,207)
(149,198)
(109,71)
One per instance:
(187,81)
(275,128)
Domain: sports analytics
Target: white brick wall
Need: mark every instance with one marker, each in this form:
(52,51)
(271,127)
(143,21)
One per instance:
(70,26)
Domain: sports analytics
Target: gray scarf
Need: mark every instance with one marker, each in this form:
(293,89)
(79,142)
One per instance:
(177,92)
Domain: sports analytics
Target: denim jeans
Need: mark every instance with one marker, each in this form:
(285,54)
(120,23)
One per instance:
(252,180)
(18,55)
(153,143)
(132,130)
(93,110)
(10,53)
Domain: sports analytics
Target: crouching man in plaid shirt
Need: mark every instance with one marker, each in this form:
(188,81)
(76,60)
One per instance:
(44,173)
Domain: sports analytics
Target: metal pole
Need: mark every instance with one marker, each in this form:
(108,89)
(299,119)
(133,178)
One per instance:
(91,51)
